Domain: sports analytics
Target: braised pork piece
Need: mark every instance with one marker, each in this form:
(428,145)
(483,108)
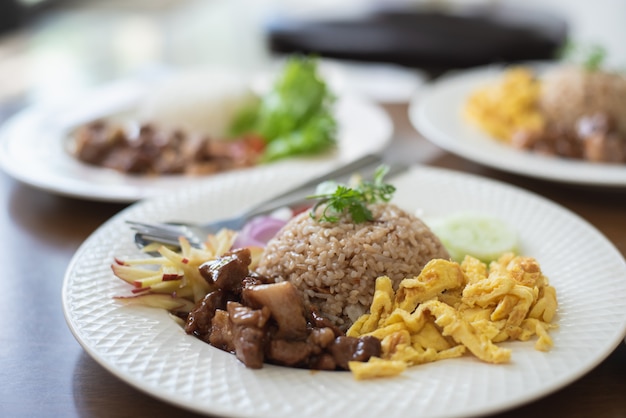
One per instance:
(265,322)
(151,150)
(593,138)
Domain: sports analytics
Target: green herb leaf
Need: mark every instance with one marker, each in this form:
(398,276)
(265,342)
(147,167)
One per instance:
(295,117)
(341,199)
(591,57)
(595,58)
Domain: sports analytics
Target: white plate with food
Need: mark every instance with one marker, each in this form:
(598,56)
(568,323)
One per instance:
(146,348)
(437,112)
(37,146)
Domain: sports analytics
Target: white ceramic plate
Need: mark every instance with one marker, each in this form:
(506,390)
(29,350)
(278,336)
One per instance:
(383,83)
(145,348)
(33,146)
(436,112)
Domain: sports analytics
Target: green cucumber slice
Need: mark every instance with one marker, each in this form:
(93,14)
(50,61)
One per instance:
(481,236)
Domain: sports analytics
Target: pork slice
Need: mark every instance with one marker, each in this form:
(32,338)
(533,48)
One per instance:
(323,362)
(285,305)
(228,271)
(199,319)
(345,349)
(289,353)
(221,335)
(249,329)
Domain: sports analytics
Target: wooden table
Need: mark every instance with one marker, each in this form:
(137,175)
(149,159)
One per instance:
(46,373)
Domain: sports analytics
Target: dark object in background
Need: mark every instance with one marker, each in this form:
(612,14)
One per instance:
(11,15)
(16,13)
(427,38)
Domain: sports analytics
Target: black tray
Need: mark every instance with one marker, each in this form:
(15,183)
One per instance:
(431,39)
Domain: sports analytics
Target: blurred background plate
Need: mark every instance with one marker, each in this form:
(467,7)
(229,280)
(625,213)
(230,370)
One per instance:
(437,114)
(33,146)
(380,82)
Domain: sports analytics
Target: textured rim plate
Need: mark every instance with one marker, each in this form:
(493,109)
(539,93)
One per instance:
(32,146)
(436,112)
(144,347)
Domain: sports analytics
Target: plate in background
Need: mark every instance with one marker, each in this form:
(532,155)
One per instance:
(33,146)
(436,112)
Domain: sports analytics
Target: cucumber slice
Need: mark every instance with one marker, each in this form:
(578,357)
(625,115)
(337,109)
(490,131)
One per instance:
(481,236)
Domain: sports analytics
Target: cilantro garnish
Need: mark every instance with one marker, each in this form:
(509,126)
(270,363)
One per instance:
(353,200)
(591,57)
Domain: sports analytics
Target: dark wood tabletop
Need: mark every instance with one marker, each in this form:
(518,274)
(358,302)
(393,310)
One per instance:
(46,373)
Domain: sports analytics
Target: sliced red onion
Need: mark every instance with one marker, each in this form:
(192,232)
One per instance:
(258,231)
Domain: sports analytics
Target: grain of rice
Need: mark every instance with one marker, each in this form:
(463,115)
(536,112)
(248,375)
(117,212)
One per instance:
(569,92)
(335,265)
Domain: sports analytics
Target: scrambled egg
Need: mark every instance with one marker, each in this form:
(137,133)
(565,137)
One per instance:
(452,308)
(508,106)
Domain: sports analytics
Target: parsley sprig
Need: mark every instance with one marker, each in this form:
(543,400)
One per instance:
(592,57)
(353,200)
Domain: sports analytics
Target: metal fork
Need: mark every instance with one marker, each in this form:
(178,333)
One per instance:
(169,233)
